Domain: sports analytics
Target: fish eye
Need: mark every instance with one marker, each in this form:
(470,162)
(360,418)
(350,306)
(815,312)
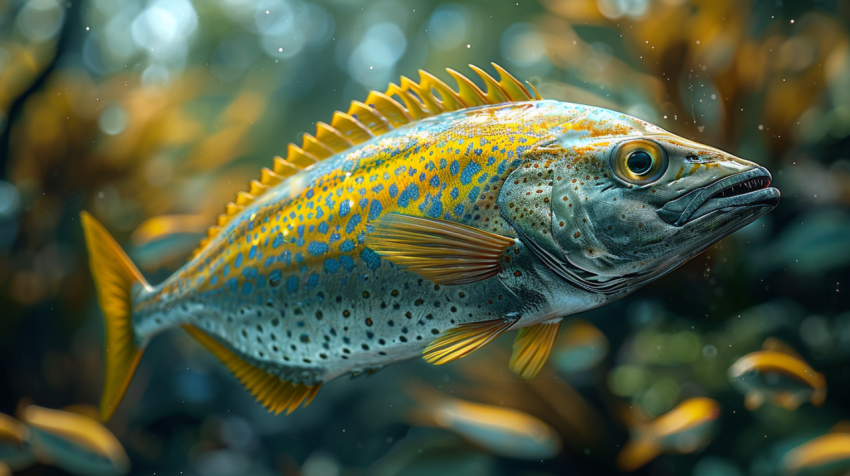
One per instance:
(639,162)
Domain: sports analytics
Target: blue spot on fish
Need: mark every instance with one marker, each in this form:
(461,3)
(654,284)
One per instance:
(393,190)
(238,261)
(278,240)
(468,172)
(346,246)
(292,284)
(375,210)
(372,260)
(455,167)
(317,248)
(331,265)
(344,208)
(226,270)
(347,262)
(352,224)
(252,252)
(409,193)
(473,194)
(247,288)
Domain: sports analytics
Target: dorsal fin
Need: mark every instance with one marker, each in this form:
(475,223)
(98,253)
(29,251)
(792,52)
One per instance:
(379,114)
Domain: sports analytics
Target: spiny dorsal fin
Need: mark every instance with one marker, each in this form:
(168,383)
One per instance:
(379,114)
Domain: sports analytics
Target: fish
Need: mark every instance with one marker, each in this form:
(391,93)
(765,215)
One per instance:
(826,454)
(684,429)
(69,439)
(582,347)
(779,374)
(74,442)
(16,452)
(500,430)
(427,221)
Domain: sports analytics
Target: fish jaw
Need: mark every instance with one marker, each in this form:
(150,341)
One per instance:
(744,189)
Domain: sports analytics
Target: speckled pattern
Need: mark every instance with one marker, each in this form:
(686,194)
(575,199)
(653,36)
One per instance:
(290,286)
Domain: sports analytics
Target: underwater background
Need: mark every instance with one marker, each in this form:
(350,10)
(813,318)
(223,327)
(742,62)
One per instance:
(151,115)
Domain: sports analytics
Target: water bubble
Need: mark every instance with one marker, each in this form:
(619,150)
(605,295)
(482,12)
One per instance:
(113,120)
(709,352)
(522,45)
(40,20)
(447,26)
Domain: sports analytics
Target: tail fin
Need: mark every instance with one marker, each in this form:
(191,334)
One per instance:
(114,277)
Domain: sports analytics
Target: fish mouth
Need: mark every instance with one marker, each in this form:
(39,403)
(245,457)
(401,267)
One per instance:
(746,189)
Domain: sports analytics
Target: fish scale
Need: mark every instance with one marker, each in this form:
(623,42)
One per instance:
(428,229)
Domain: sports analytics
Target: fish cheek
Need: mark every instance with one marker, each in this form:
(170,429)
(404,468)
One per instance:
(580,218)
(525,201)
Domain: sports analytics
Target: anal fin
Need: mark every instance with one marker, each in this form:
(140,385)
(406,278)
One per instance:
(463,339)
(532,347)
(273,393)
(440,251)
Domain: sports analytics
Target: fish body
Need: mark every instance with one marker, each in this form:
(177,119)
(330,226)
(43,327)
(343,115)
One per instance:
(684,429)
(500,430)
(825,455)
(436,235)
(786,380)
(68,439)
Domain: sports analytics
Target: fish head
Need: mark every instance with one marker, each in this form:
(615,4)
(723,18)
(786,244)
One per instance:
(631,202)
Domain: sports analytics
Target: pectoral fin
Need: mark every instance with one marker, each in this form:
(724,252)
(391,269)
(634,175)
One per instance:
(440,251)
(532,347)
(463,339)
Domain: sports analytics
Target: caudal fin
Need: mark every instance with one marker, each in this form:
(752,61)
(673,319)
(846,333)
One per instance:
(114,277)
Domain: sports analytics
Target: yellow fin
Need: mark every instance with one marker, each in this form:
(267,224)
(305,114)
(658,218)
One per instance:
(636,453)
(273,393)
(463,339)
(532,347)
(440,251)
(12,431)
(80,430)
(114,277)
(379,114)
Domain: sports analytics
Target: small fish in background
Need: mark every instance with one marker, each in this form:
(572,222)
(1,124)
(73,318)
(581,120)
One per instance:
(684,429)
(825,455)
(779,374)
(164,241)
(582,347)
(73,441)
(15,450)
(500,430)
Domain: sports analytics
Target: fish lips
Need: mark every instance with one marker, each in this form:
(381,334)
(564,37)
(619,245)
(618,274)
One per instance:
(745,189)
